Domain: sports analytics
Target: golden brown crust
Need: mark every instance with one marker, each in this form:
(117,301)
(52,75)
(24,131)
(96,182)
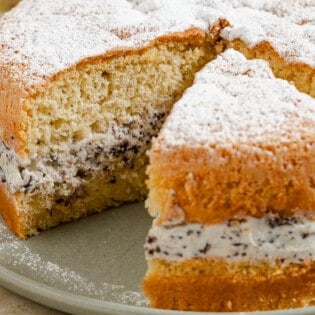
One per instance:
(11,98)
(302,75)
(214,285)
(7,4)
(211,194)
(9,212)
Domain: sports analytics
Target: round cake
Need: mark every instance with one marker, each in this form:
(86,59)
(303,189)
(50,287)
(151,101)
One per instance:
(86,85)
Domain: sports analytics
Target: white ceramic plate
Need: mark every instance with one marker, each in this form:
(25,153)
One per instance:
(91,266)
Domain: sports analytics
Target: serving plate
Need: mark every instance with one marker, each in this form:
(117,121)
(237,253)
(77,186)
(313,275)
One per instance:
(91,266)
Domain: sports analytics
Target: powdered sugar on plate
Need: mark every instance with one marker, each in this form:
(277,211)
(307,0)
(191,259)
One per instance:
(27,259)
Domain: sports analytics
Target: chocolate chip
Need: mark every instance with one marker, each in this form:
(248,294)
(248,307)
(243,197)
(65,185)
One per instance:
(98,151)
(279,221)
(205,249)
(81,173)
(105,75)
(53,158)
(135,149)
(113,180)
(151,239)
(305,235)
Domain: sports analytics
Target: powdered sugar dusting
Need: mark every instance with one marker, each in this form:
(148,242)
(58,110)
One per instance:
(42,37)
(19,256)
(239,102)
(39,38)
(295,43)
(290,9)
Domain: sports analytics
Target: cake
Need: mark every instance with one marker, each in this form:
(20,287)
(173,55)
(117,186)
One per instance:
(231,184)
(85,85)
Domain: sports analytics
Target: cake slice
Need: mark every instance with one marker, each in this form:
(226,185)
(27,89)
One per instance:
(231,183)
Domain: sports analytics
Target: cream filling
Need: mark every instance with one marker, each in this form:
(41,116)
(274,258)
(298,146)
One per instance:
(271,238)
(68,165)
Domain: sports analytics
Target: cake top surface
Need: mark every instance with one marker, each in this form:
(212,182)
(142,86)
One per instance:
(39,38)
(235,101)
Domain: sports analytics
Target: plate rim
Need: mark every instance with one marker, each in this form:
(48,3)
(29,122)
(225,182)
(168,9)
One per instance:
(55,298)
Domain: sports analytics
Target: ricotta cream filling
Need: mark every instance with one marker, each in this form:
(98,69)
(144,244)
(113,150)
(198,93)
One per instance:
(67,165)
(271,238)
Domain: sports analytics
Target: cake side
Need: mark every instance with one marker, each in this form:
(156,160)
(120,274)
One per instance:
(214,185)
(215,285)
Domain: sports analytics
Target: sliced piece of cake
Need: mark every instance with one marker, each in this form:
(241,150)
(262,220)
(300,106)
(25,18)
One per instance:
(231,181)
